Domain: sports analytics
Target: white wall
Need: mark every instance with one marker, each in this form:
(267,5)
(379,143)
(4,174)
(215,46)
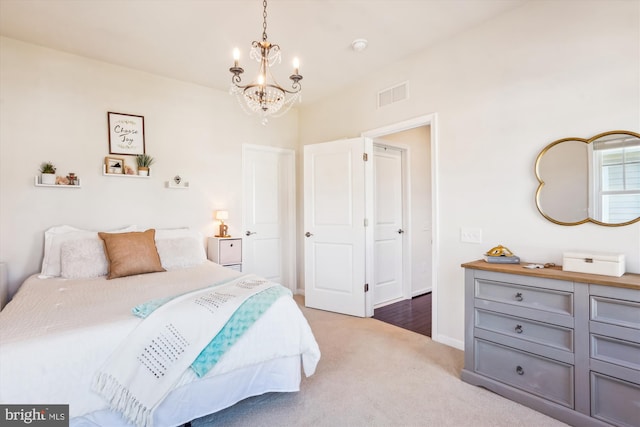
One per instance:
(53,106)
(503,91)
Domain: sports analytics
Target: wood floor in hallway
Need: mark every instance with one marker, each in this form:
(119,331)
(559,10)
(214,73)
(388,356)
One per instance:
(413,314)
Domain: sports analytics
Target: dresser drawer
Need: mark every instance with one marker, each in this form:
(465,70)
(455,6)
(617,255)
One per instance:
(537,332)
(525,296)
(231,251)
(615,312)
(538,375)
(617,351)
(615,401)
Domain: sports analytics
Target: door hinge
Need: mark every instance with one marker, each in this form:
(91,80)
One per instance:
(366,287)
(365,157)
(366,222)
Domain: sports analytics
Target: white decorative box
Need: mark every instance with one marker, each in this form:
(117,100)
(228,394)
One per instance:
(607,264)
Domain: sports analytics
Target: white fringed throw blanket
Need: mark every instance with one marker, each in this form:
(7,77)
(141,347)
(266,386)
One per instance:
(142,371)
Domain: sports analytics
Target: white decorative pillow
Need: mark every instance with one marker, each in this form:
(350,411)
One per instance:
(83,259)
(53,239)
(181,252)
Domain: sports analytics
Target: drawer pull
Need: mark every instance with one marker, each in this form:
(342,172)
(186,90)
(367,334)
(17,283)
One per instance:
(519,296)
(518,329)
(519,370)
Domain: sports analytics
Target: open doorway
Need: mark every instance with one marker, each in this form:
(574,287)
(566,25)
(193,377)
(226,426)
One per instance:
(415,309)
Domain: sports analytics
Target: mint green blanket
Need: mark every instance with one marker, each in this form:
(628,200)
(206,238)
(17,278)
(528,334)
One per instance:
(236,326)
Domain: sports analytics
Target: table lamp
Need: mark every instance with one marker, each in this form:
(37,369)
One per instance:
(221,216)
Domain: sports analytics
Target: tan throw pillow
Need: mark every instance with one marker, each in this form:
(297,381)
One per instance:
(131,253)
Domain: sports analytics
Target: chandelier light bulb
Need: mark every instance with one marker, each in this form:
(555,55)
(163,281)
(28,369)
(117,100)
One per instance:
(236,56)
(296,65)
(260,79)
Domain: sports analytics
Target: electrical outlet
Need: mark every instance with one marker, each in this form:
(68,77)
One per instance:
(471,235)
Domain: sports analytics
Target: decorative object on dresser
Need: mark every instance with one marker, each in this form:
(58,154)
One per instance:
(126,134)
(223,229)
(590,180)
(563,343)
(501,255)
(48,173)
(144,162)
(594,263)
(226,251)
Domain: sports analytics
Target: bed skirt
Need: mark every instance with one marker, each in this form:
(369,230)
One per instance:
(210,395)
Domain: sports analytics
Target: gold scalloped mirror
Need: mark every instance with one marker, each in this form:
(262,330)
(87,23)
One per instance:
(590,180)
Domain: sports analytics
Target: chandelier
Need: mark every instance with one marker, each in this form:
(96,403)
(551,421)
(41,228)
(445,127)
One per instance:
(264,96)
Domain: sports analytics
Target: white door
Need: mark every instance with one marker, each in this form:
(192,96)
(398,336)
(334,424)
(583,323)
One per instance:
(268,218)
(388,255)
(334,226)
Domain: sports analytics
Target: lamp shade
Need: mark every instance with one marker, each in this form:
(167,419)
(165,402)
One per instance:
(222,215)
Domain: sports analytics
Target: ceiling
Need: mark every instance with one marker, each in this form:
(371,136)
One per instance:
(193,40)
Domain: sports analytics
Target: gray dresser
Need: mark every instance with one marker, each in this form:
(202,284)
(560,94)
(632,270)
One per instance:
(565,344)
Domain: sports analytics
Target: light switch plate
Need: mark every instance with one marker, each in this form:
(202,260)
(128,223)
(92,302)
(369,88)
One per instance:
(471,235)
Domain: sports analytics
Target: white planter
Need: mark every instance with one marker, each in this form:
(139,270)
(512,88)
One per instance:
(143,172)
(48,178)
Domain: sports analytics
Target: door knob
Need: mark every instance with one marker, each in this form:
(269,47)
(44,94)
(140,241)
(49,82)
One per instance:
(249,233)
(308,234)
(400,231)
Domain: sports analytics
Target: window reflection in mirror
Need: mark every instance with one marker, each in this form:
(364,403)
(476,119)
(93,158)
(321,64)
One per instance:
(596,180)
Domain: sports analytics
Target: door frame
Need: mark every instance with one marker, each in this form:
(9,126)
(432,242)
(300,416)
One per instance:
(288,219)
(405,162)
(426,120)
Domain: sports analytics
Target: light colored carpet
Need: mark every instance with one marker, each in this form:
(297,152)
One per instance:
(375,374)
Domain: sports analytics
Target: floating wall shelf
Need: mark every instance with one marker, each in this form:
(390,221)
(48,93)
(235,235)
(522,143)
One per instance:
(37,183)
(182,186)
(121,175)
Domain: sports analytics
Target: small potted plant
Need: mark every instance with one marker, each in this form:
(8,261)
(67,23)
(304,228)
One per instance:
(48,173)
(144,162)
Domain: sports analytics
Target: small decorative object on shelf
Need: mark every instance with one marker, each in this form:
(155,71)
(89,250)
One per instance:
(178,183)
(144,161)
(501,255)
(48,171)
(114,165)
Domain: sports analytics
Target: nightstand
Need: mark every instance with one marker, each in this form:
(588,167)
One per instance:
(226,251)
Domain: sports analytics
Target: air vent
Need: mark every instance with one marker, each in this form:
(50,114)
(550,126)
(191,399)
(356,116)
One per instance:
(393,94)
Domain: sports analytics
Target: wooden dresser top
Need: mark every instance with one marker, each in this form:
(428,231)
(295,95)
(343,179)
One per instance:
(628,280)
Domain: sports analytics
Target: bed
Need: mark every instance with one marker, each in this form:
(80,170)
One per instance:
(65,323)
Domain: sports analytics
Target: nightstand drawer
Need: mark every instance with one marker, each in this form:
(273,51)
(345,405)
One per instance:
(614,401)
(529,330)
(230,251)
(524,296)
(544,377)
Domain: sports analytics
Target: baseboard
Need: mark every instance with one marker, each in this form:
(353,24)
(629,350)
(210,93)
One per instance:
(446,340)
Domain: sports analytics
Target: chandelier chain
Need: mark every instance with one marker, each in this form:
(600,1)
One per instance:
(264,21)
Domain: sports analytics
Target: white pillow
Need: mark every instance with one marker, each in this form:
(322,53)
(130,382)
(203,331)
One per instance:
(55,236)
(180,251)
(83,259)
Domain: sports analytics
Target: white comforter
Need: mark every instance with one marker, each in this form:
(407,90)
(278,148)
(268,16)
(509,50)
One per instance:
(56,333)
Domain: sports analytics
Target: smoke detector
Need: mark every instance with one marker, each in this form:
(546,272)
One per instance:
(359,44)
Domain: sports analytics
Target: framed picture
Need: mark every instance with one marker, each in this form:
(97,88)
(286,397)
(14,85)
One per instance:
(114,165)
(126,134)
